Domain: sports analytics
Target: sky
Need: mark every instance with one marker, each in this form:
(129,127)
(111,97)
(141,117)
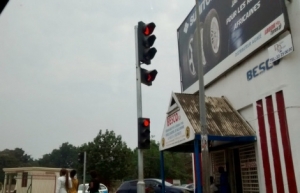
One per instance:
(67,70)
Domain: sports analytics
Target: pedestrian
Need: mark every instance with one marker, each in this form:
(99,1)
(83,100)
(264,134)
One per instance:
(213,187)
(64,182)
(94,184)
(224,185)
(74,180)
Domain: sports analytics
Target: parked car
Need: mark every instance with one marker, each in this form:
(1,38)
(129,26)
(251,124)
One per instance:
(103,188)
(152,185)
(188,186)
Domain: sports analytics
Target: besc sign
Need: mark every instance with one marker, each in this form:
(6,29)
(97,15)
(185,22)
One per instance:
(261,68)
(230,31)
(177,130)
(173,119)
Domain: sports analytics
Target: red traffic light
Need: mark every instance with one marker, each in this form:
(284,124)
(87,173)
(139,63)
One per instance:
(145,40)
(149,28)
(147,77)
(143,133)
(146,122)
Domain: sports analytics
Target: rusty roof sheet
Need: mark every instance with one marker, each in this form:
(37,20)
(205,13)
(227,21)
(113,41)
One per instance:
(222,119)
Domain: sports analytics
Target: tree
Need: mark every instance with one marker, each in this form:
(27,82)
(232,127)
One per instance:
(14,158)
(152,161)
(177,165)
(64,157)
(109,156)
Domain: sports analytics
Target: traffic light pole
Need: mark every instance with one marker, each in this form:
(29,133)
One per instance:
(141,183)
(202,111)
(84,170)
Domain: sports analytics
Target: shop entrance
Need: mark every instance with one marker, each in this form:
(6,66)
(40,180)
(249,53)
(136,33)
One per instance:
(240,164)
(248,168)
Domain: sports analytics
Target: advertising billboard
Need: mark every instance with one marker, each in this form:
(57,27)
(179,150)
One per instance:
(230,31)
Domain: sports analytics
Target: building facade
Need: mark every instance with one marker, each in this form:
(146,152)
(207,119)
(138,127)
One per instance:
(30,179)
(263,87)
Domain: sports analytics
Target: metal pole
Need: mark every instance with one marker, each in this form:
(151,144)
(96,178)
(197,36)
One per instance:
(198,180)
(202,109)
(162,171)
(141,183)
(84,171)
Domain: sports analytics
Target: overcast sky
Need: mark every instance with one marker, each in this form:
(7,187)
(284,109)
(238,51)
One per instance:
(67,70)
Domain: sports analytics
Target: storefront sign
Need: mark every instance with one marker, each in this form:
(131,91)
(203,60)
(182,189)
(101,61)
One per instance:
(281,48)
(261,68)
(177,130)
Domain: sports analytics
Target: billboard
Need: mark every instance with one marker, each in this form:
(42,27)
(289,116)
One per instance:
(230,31)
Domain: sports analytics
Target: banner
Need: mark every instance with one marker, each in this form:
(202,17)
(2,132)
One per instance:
(230,31)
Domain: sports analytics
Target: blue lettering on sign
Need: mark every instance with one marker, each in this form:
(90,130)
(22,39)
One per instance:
(261,68)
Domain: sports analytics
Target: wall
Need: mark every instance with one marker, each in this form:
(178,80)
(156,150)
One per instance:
(243,92)
(44,181)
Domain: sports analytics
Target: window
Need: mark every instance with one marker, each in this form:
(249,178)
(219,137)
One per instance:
(133,183)
(151,183)
(24,179)
(102,187)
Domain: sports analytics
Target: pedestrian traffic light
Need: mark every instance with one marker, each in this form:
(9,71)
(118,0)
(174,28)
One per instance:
(143,133)
(81,157)
(145,42)
(147,77)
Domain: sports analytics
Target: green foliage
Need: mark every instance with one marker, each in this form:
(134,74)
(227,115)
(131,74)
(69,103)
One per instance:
(109,156)
(152,161)
(64,157)
(177,165)
(14,158)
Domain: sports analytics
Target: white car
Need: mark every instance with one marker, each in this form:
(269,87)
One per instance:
(103,188)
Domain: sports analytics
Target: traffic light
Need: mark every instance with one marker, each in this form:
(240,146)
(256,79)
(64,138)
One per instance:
(81,157)
(147,77)
(146,52)
(145,42)
(143,133)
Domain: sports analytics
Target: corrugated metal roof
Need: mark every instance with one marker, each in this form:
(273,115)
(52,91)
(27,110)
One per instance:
(222,119)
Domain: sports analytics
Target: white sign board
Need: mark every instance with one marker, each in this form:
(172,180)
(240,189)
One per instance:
(281,48)
(177,130)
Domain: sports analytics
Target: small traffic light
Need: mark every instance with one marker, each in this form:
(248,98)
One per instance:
(147,77)
(143,133)
(81,157)
(145,42)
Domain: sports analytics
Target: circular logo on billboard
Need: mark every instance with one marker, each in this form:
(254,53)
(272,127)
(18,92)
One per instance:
(187,132)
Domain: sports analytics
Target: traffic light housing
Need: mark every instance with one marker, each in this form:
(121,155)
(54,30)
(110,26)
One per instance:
(81,157)
(143,133)
(145,42)
(147,77)
(3,4)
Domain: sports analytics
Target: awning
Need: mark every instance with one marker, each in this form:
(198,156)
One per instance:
(224,124)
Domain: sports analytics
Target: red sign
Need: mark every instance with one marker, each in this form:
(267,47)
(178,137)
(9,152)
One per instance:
(173,119)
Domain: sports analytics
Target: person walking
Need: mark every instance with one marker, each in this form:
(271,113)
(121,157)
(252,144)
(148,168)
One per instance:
(94,184)
(74,181)
(224,185)
(63,183)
